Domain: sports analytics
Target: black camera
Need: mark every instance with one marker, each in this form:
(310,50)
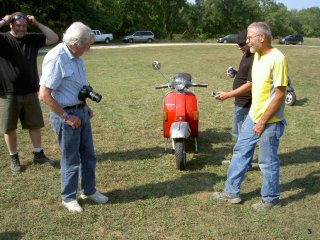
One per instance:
(87,92)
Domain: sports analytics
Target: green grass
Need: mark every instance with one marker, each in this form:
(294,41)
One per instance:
(149,198)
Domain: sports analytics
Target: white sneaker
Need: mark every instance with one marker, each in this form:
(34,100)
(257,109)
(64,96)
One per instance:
(96,197)
(226,162)
(73,206)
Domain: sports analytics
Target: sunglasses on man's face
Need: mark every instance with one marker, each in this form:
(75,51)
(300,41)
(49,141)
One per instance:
(241,44)
(18,17)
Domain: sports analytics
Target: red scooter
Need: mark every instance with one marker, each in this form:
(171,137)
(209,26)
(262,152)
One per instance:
(180,114)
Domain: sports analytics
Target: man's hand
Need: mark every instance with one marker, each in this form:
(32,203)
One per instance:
(73,121)
(32,20)
(222,96)
(258,128)
(229,75)
(7,19)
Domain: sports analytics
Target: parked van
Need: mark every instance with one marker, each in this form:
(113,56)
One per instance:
(292,39)
(139,36)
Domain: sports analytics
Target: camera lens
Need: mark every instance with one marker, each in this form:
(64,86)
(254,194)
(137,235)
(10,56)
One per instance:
(95,96)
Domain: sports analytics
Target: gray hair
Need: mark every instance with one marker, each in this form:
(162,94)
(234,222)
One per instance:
(78,34)
(262,28)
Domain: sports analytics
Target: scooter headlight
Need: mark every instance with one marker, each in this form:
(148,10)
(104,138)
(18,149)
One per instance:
(179,83)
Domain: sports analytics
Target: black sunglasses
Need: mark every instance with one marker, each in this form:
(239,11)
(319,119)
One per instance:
(17,17)
(242,44)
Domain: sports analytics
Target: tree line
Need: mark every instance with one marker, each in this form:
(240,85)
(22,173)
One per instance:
(170,19)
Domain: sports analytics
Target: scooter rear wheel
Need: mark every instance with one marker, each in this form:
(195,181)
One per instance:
(291,98)
(180,154)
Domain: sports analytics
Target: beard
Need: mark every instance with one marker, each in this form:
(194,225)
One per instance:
(254,48)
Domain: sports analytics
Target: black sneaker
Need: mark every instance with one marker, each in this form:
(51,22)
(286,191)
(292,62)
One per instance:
(40,158)
(15,163)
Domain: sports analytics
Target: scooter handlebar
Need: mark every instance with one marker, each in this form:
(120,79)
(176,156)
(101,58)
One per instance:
(199,85)
(161,86)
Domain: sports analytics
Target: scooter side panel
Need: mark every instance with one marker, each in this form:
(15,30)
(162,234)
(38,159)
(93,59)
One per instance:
(169,108)
(191,110)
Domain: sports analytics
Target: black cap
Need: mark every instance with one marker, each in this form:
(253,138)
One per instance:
(242,37)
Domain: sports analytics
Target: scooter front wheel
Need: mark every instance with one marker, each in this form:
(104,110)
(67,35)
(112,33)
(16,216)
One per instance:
(180,154)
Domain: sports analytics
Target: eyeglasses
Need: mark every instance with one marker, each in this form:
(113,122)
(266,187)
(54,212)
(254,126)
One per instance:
(250,37)
(18,17)
(242,44)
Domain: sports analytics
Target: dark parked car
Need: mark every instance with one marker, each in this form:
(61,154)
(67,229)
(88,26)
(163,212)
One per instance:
(292,39)
(139,36)
(231,38)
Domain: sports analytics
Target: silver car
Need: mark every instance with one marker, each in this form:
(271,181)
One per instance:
(139,36)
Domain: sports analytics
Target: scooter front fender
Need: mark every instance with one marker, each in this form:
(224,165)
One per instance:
(179,130)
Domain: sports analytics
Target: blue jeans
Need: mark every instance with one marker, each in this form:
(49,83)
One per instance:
(239,115)
(268,159)
(77,154)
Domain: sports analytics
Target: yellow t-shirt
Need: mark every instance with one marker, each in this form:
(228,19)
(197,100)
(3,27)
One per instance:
(268,72)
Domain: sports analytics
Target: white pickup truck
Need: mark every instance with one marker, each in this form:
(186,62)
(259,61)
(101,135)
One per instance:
(102,37)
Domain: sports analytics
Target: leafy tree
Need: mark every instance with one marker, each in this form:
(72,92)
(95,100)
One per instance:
(7,7)
(49,13)
(205,18)
(277,17)
(309,20)
(222,17)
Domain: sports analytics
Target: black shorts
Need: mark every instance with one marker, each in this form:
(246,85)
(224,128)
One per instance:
(24,107)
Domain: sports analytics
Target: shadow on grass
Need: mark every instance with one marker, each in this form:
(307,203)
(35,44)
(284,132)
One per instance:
(184,185)
(306,186)
(301,102)
(207,154)
(55,164)
(11,235)
(216,136)
(303,155)
(136,154)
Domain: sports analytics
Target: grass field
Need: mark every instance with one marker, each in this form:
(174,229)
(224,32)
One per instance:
(149,198)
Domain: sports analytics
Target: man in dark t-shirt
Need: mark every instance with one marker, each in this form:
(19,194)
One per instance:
(241,87)
(19,83)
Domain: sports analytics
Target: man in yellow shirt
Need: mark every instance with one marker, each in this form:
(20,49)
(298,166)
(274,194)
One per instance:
(264,124)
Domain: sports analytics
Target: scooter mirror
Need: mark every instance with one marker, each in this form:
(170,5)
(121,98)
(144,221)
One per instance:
(156,65)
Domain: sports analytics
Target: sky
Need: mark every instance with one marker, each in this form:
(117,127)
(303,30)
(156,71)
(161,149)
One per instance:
(299,4)
(293,4)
